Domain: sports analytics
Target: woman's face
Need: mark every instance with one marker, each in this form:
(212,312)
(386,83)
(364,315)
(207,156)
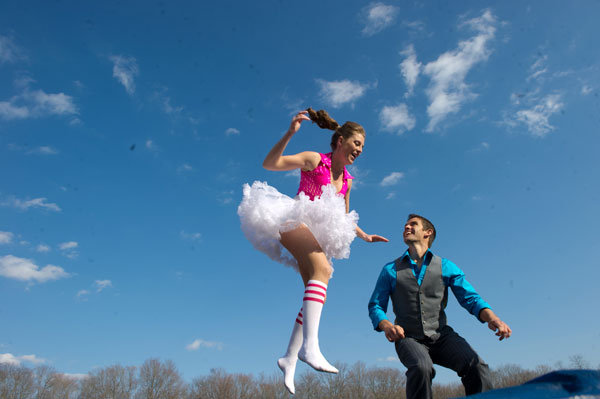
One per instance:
(351,147)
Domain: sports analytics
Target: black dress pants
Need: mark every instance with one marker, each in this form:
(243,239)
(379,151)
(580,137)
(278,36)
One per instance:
(448,350)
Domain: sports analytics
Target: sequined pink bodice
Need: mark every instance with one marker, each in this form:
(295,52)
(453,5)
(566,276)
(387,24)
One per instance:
(312,181)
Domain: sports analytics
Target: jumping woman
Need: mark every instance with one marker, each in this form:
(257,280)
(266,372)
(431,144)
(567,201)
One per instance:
(313,227)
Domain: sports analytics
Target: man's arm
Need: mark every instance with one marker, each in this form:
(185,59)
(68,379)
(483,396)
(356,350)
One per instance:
(471,300)
(380,297)
(392,332)
(495,324)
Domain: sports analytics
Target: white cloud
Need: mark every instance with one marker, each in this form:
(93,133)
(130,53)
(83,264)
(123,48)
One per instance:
(293,173)
(191,236)
(9,51)
(339,92)
(538,67)
(388,359)
(390,195)
(447,90)
(82,293)
(198,343)
(185,168)
(585,90)
(6,237)
(44,150)
(168,108)
(32,359)
(42,248)
(392,179)
(151,146)
(397,118)
(537,118)
(102,284)
(25,270)
(125,69)
(232,131)
(378,16)
(68,245)
(410,69)
(9,358)
(36,104)
(34,203)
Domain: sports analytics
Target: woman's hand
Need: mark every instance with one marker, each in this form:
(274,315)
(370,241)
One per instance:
(297,121)
(370,237)
(374,238)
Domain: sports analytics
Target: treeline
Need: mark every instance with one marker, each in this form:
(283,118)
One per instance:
(157,379)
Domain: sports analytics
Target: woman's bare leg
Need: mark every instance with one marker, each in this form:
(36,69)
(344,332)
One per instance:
(315,271)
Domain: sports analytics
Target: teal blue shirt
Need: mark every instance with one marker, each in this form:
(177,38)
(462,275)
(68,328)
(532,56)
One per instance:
(452,277)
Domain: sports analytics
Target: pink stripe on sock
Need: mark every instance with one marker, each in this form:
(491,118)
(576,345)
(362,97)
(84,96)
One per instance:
(306,298)
(299,321)
(314,292)
(316,285)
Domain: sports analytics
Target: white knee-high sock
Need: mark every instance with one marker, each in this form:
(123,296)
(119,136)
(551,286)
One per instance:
(287,363)
(314,298)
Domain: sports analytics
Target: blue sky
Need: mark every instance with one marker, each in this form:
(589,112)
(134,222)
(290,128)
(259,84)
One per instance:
(128,128)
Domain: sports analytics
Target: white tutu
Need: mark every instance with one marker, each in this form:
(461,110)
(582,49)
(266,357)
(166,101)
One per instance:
(264,212)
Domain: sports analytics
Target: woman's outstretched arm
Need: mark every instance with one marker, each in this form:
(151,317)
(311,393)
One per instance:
(359,232)
(275,160)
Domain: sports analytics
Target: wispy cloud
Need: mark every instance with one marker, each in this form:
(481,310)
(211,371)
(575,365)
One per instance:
(81,294)
(392,359)
(6,237)
(25,270)
(538,68)
(37,104)
(33,203)
(69,249)
(186,167)
(151,146)
(9,358)
(377,17)
(102,284)
(537,119)
(447,90)
(396,118)
(200,343)
(232,132)
(483,146)
(125,69)
(44,150)
(42,248)
(410,69)
(390,195)
(391,179)
(68,245)
(191,236)
(339,92)
(293,173)
(9,51)
(585,90)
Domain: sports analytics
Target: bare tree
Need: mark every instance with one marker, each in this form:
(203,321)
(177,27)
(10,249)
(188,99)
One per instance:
(16,382)
(578,362)
(113,382)
(160,381)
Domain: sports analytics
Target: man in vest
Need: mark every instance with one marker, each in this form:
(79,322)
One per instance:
(417,283)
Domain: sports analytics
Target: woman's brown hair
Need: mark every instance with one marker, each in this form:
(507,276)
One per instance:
(347,130)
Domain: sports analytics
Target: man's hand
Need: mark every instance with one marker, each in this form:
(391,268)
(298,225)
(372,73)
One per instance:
(495,324)
(392,332)
(502,329)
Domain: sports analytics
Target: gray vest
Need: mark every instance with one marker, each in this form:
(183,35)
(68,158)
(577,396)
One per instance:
(419,310)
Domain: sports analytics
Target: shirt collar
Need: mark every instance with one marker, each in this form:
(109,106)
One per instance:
(426,258)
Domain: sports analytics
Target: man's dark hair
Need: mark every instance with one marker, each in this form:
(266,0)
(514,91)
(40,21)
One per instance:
(427,225)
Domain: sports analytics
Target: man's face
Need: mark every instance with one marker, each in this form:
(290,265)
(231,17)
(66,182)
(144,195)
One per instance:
(413,232)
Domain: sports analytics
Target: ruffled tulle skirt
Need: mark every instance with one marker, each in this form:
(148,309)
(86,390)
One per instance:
(265,212)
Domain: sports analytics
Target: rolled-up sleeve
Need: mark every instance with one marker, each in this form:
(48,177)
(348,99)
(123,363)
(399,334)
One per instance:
(381,295)
(464,292)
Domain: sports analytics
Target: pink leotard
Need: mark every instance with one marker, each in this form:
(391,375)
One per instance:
(311,181)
